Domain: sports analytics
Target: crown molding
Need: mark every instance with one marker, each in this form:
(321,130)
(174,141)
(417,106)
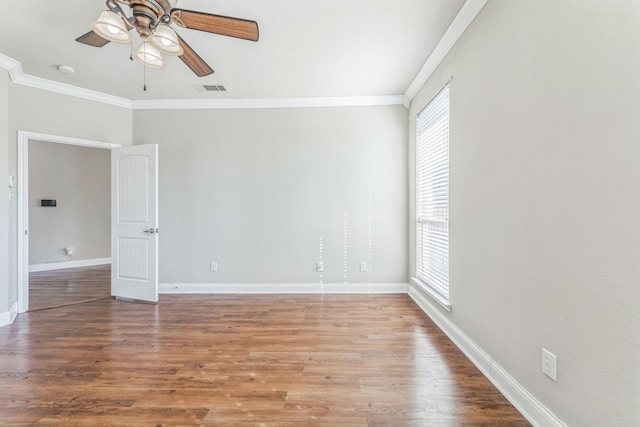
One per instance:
(19,77)
(406,101)
(9,64)
(253,103)
(461,22)
(70,90)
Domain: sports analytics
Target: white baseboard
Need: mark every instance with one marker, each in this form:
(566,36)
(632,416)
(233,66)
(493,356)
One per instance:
(7,317)
(530,407)
(282,288)
(68,264)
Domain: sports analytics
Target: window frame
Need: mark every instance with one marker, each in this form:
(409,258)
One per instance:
(433,291)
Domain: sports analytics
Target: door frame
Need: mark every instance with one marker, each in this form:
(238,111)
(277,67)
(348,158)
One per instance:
(23,201)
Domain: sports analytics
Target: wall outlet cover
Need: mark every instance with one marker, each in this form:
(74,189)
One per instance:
(549,364)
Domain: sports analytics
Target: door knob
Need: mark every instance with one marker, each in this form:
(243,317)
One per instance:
(150,231)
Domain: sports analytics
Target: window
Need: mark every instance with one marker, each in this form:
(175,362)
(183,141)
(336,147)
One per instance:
(432,176)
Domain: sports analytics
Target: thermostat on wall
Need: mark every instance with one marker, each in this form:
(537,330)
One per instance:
(48,202)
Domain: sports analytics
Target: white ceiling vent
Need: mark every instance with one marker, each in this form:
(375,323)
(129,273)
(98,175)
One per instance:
(210,88)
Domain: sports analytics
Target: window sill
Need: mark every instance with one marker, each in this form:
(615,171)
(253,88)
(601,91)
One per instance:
(430,292)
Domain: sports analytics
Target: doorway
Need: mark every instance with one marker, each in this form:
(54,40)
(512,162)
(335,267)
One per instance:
(24,138)
(68,286)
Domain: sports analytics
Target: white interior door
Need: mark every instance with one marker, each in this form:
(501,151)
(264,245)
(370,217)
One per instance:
(134,222)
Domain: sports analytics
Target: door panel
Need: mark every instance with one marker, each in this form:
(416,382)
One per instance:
(134,222)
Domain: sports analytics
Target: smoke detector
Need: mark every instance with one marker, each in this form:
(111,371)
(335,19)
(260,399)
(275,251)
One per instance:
(66,69)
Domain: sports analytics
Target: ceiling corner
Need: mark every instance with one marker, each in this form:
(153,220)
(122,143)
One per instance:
(469,10)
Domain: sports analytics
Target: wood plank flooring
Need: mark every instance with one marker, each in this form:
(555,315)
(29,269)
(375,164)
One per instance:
(241,360)
(57,288)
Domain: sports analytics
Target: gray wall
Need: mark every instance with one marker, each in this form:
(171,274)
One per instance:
(255,190)
(50,113)
(79,178)
(4,200)
(545,213)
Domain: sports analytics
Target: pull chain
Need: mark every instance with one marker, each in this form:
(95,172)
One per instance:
(144,87)
(144,66)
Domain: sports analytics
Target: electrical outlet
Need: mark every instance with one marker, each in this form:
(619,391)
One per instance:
(213,267)
(549,364)
(363,266)
(320,266)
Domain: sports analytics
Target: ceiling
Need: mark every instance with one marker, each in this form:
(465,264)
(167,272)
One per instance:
(328,48)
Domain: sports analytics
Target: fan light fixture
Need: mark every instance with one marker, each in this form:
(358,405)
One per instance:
(153,21)
(166,40)
(111,27)
(158,37)
(149,56)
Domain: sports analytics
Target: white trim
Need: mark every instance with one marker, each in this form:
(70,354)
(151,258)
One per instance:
(35,136)
(406,101)
(530,407)
(282,288)
(33,268)
(19,77)
(23,203)
(430,292)
(7,317)
(212,104)
(10,64)
(461,22)
(66,89)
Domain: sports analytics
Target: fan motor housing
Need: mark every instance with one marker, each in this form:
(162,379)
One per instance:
(146,19)
(147,13)
(161,7)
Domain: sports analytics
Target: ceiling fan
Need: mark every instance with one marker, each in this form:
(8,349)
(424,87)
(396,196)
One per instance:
(152,19)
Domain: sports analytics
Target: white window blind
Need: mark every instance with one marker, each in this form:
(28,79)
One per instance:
(432,174)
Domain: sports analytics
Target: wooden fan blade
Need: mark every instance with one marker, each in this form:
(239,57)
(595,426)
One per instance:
(92,39)
(193,60)
(217,24)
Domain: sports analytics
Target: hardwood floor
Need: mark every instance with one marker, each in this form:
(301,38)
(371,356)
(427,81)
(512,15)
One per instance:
(241,360)
(57,288)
